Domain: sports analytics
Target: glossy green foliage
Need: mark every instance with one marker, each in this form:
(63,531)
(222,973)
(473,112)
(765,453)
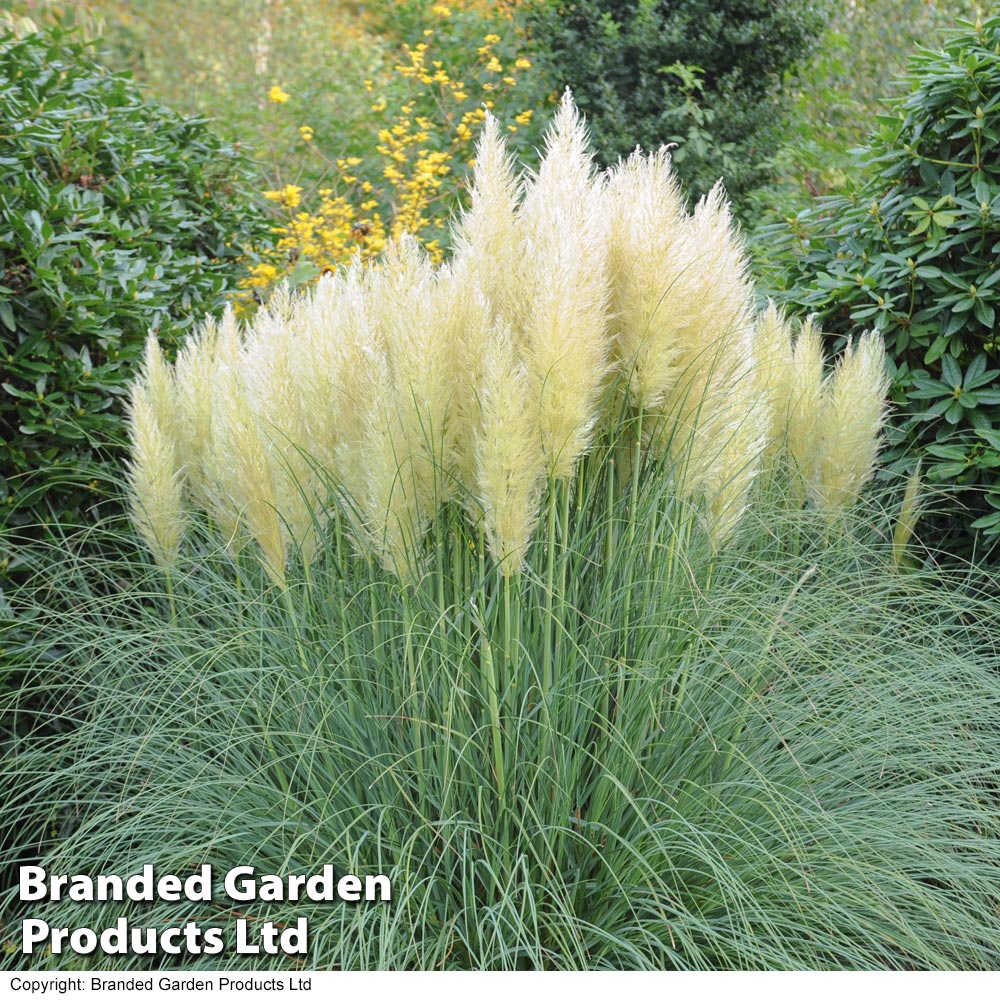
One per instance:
(837,94)
(117,217)
(911,249)
(692,72)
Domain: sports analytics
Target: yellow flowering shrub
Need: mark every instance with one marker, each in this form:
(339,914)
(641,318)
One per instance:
(426,114)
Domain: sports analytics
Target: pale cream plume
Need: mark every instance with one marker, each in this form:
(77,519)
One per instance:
(194,381)
(716,410)
(410,475)
(852,415)
(738,461)
(488,238)
(359,386)
(158,377)
(315,371)
(464,315)
(269,362)
(238,468)
(649,253)
(155,474)
(724,291)
(421,345)
(805,398)
(565,342)
(392,519)
(510,463)
(773,361)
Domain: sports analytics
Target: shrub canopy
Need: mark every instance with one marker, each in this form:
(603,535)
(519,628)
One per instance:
(117,217)
(911,249)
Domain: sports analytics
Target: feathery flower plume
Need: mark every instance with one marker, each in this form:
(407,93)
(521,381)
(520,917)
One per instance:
(773,360)
(716,403)
(421,354)
(238,470)
(155,474)
(359,385)
(565,345)
(804,408)
(317,371)
(510,463)
(648,254)
(158,378)
(393,522)
(488,237)
(407,433)
(464,315)
(194,385)
(851,418)
(738,457)
(269,364)
(341,353)
(724,291)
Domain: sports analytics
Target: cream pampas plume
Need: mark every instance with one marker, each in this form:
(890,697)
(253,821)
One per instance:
(239,471)
(804,408)
(828,424)
(194,381)
(271,366)
(354,402)
(510,463)
(716,408)
(341,352)
(464,314)
(411,298)
(730,477)
(155,473)
(720,268)
(488,237)
(565,343)
(649,253)
(316,363)
(407,443)
(851,419)
(773,360)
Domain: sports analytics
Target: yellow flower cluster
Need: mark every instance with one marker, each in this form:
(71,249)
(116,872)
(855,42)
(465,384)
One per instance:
(289,196)
(412,182)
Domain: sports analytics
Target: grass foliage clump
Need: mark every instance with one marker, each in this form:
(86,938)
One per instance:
(539,583)
(776,757)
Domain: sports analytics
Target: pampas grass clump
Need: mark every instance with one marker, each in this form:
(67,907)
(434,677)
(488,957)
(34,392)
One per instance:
(541,582)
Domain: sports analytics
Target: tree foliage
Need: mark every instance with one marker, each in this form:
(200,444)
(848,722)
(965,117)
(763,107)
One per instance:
(704,75)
